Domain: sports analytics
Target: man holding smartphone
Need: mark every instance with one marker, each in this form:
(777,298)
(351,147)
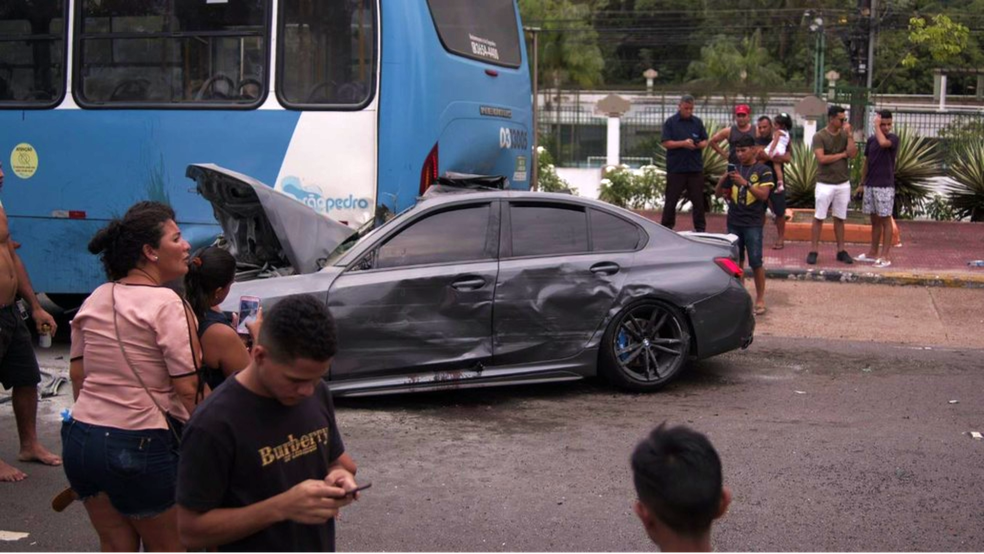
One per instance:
(746,188)
(262,461)
(684,138)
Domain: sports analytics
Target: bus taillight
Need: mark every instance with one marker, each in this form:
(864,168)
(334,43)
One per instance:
(428,174)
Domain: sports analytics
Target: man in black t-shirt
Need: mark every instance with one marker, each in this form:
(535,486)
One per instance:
(260,467)
(747,190)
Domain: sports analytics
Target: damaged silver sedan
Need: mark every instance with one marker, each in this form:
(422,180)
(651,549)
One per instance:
(491,288)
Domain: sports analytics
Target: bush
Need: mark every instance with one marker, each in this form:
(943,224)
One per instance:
(967,195)
(800,177)
(938,208)
(547,179)
(623,187)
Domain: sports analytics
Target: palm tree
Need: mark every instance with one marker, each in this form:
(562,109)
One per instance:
(723,67)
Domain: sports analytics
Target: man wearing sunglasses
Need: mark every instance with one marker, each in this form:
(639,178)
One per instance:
(833,146)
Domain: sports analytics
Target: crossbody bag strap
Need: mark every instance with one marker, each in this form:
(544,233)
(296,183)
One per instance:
(129,364)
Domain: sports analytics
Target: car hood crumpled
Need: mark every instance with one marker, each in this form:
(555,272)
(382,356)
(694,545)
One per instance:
(265,226)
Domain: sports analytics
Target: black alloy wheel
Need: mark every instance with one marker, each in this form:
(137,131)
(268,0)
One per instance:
(645,346)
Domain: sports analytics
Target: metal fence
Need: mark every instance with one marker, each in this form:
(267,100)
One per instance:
(575,134)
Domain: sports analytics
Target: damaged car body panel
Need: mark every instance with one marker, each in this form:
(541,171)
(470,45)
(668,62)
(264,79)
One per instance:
(508,287)
(264,226)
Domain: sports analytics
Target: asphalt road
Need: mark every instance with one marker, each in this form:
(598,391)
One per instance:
(827,444)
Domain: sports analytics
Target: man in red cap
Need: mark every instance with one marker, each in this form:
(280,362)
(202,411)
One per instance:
(742,128)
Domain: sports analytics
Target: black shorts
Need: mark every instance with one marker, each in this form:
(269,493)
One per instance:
(18,365)
(777,202)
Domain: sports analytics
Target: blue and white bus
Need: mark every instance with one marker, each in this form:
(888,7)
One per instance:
(347,105)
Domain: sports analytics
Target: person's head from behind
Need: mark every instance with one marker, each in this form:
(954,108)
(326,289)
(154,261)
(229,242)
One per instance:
(294,350)
(745,150)
(677,476)
(836,116)
(885,121)
(210,276)
(145,238)
(686,106)
(764,126)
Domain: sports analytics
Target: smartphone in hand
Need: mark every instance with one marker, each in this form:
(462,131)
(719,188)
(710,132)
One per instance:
(249,308)
(732,168)
(352,492)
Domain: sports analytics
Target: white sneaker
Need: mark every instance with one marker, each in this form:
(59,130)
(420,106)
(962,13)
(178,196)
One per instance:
(864,258)
(884,264)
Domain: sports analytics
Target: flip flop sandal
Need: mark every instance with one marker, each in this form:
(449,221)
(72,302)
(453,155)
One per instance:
(778,246)
(866,259)
(63,499)
(759,310)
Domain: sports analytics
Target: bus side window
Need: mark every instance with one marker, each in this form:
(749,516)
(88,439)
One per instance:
(32,50)
(328,53)
(167,53)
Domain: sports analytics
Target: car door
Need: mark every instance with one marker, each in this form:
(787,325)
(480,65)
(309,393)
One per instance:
(420,300)
(561,267)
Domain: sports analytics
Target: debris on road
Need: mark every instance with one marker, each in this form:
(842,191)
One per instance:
(800,391)
(12,536)
(976,435)
(954,402)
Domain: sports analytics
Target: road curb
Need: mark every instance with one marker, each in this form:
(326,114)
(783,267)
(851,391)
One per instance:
(875,278)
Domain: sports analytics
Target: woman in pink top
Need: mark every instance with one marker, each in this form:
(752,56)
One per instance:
(134,355)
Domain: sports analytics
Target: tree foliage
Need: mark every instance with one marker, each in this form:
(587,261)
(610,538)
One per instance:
(568,44)
(944,39)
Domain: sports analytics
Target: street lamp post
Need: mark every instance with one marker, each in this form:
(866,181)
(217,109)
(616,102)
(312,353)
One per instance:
(816,26)
(535,162)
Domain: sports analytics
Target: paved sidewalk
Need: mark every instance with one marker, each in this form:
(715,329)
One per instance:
(932,253)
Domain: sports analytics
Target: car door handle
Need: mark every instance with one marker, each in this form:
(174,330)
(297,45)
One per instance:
(605,268)
(468,283)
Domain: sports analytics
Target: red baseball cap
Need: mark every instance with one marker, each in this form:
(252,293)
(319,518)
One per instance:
(743,108)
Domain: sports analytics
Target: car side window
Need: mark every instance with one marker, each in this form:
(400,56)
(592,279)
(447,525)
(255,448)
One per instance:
(611,234)
(457,235)
(547,230)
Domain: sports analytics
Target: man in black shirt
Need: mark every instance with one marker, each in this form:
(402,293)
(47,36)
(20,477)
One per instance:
(747,191)
(684,137)
(260,467)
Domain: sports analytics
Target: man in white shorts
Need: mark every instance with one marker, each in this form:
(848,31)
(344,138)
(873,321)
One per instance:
(833,146)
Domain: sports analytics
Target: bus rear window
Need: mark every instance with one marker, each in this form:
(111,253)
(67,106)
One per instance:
(485,30)
(168,52)
(32,52)
(327,53)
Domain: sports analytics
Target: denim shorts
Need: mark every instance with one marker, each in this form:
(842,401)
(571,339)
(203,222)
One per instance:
(138,470)
(750,241)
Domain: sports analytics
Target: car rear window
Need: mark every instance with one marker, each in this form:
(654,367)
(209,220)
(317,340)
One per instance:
(539,230)
(610,233)
(484,30)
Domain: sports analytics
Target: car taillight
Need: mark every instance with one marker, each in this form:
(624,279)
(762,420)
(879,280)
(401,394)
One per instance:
(729,266)
(428,173)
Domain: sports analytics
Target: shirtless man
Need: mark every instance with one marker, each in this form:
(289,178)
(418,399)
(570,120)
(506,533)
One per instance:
(18,366)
